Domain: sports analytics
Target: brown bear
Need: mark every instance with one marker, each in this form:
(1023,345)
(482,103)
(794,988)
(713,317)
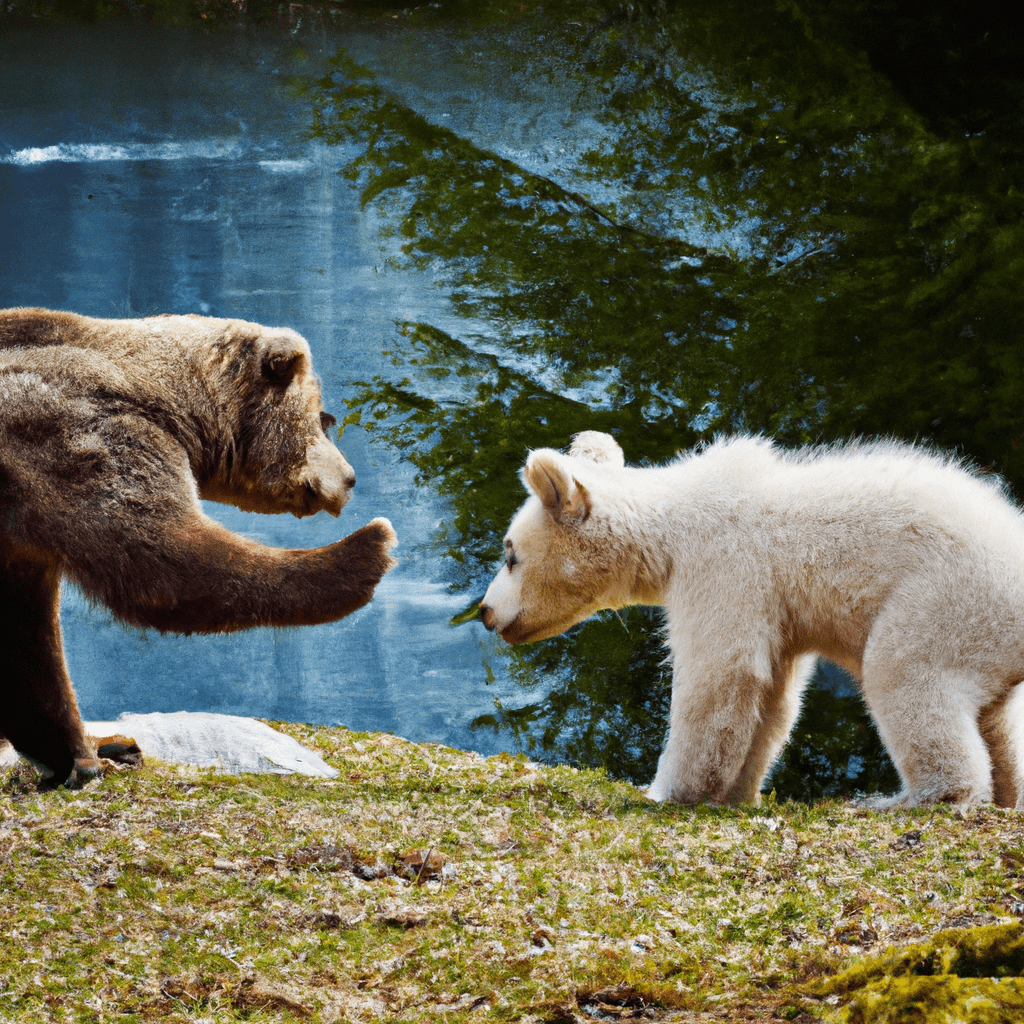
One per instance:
(110,433)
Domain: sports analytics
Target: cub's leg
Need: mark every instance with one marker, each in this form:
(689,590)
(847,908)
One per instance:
(928,717)
(1002,726)
(1014,727)
(780,707)
(38,710)
(714,720)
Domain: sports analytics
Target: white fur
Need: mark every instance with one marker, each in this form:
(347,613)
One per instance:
(901,566)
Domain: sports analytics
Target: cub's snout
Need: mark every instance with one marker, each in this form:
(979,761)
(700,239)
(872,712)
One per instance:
(510,632)
(487,617)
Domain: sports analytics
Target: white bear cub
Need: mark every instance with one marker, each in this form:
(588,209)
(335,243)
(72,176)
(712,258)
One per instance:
(901,566)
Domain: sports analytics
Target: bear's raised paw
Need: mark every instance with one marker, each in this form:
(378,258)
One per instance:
(390,538)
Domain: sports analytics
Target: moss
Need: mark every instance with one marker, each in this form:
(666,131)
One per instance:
(939,999)
(959,976)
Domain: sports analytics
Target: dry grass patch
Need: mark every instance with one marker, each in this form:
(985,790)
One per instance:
(429,884)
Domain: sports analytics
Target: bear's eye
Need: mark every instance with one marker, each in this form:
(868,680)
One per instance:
(327,421)
(510,555)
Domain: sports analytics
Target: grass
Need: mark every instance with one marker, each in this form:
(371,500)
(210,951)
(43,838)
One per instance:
(427,884)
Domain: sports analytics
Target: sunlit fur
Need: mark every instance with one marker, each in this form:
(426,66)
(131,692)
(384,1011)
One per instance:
(902,566)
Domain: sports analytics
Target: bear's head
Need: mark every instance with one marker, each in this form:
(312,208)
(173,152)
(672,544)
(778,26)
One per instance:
(275,455)
(564,557)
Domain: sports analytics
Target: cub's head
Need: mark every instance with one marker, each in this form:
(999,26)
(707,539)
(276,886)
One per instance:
(563,563)
(278,456)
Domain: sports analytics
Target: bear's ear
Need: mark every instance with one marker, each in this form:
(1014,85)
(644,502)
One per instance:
(548,476)
(282,359)
(596,447)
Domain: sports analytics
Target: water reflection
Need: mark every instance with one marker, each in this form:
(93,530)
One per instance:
(760,233)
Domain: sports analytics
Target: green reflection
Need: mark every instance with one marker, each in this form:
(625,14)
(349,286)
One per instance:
(779,226)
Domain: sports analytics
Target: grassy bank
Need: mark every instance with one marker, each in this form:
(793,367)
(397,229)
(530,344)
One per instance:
(429,884)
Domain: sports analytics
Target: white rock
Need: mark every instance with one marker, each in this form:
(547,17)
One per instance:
(229,742)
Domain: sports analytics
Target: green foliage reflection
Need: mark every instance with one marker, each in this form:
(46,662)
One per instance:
(769,232)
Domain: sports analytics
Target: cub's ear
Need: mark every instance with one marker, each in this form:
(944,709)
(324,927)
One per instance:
(282,358)
(547,474)
(596,447)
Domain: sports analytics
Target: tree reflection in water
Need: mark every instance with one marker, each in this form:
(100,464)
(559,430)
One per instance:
(788,225)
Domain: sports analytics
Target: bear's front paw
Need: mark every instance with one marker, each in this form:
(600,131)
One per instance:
(382,538)
(353,567)
(84,770)
(388,536)
(110,757)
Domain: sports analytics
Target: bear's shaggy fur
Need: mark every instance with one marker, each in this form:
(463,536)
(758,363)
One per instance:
(110,433)
(903,567)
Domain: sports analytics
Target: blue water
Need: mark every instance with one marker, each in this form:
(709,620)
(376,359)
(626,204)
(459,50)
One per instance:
(146,171)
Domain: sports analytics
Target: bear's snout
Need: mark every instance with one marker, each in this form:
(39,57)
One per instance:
(327,481)
(487,617)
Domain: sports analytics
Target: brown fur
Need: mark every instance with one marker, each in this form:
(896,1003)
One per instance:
(113,753)
(110,432)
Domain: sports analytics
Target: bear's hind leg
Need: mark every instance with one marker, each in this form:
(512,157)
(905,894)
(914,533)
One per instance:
(39,713)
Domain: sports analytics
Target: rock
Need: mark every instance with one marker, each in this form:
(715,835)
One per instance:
(230,743)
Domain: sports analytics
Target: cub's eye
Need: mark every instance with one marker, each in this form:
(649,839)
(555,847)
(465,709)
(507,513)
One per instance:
(510,555)
(327,421)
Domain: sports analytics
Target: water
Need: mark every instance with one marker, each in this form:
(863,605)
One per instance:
(145,171)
